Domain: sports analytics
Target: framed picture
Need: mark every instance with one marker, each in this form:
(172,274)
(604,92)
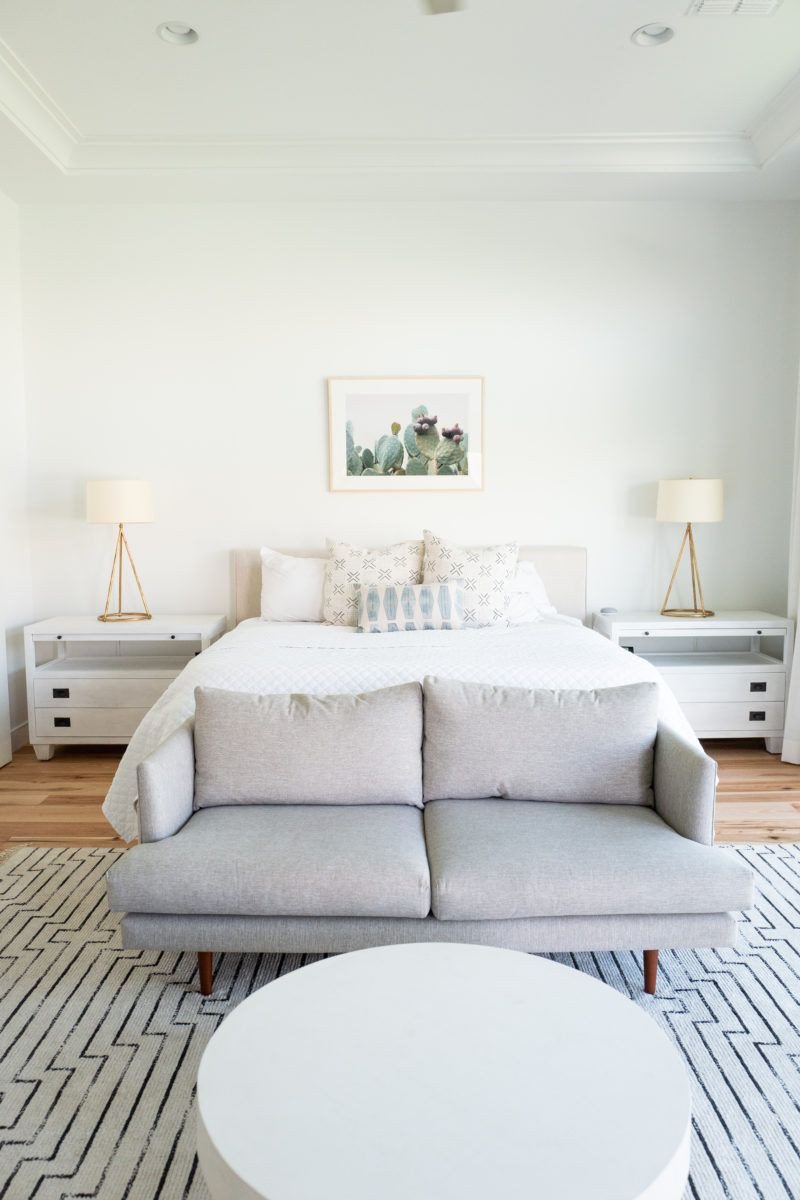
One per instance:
(409,434)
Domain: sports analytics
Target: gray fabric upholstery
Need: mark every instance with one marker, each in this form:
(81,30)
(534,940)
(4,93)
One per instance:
(166,787)
(279,860)
(685,784)
(331,935)
(526,744)
(296,749)
(502,859)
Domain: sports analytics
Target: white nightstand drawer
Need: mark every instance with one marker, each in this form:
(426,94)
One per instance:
(87,722)
(98,693)
(752,716)
(707,687)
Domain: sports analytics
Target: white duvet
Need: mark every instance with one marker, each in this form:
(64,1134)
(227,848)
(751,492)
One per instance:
(259,656)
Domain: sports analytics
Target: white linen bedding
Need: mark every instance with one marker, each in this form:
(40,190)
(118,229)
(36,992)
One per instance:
(259,656)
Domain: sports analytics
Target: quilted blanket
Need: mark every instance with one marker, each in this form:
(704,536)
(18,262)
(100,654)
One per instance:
(259,656)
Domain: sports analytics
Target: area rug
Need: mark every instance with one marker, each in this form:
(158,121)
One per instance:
(99,1046)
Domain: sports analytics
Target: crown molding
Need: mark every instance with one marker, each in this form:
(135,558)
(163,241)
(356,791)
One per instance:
(614,153)
(76,154)
(26,103)
(778,127)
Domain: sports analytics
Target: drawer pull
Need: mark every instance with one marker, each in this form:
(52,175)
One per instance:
(758,687)
(62,722)
(758,716)
(61,693)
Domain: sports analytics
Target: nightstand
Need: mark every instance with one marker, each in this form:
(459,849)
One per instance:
(90,682)
(729,672)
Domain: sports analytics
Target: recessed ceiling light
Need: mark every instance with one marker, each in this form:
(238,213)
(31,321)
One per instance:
(652,35)
(177,32)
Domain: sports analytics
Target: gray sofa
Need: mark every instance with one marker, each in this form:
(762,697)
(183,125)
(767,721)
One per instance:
(534,820)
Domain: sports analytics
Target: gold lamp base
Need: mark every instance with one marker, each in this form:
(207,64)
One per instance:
(119,614)
(698,610)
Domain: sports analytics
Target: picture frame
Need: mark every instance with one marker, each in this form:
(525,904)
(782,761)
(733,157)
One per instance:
(405,433)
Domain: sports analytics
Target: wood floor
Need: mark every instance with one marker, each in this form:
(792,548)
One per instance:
(57,803)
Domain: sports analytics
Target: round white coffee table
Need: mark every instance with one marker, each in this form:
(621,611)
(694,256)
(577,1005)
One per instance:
(441,1072)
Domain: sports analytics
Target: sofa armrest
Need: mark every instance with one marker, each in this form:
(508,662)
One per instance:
(166,787)
(685,784)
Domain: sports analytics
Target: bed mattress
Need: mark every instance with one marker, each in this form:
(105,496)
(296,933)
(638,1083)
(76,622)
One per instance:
(260,656)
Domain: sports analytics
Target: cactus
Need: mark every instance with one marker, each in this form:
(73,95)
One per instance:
(389,453)
(427,443)
(421,450)
(410,440)
(354,463)
(449,453)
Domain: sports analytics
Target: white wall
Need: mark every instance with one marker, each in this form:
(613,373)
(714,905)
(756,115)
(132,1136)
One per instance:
(620,343)
(15,581)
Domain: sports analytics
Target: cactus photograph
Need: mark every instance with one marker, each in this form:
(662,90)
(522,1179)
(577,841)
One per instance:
(406,434)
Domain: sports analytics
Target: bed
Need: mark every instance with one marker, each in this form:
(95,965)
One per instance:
(262,656)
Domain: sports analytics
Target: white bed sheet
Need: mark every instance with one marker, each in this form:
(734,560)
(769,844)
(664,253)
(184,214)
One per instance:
(259,656)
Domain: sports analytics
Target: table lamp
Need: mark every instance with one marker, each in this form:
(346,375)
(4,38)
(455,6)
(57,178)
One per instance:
(117,502)
(688,501)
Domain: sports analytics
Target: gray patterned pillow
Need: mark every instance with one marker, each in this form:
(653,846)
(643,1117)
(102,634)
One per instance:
(484,572)
(348,567)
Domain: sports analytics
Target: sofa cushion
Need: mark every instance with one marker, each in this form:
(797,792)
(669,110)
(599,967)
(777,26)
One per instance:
(493,859)
(296,749)
(288,860)
(523,744)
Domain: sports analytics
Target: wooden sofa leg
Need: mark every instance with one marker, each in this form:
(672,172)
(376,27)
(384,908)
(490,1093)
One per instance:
(205,966)
(650,971)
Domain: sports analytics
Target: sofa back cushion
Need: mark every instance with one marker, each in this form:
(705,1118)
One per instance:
(297,749)
(521,744)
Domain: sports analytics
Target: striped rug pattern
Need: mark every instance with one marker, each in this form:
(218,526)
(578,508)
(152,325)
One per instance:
(99,1047)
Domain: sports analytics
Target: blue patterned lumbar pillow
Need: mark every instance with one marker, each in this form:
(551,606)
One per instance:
(395,608)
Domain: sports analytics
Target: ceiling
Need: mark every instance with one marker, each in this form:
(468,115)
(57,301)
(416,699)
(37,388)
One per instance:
(374,98)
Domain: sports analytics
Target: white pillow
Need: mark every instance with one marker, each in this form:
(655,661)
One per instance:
(291,588)
(349,567)
(529,600)
(484,572)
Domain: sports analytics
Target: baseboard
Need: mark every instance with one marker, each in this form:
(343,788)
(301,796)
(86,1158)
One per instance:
(19,736)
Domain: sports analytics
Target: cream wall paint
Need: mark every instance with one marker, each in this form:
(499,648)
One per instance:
(620,343)
(15,579)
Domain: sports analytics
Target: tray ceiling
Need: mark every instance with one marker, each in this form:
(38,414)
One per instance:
(504,97)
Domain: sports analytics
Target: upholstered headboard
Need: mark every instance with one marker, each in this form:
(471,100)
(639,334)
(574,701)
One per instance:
(562,568)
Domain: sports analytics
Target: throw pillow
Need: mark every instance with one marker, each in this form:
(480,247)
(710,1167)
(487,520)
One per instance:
(391,609)
(484,572)
(291,587)
(348,567)
(528,600)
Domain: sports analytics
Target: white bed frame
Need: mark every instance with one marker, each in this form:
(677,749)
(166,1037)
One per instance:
(562,568)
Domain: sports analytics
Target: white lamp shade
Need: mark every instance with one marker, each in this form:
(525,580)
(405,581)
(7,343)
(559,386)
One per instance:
(118,501)
(684,500)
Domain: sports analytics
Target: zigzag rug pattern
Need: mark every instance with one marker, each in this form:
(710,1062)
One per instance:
(99,1046)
